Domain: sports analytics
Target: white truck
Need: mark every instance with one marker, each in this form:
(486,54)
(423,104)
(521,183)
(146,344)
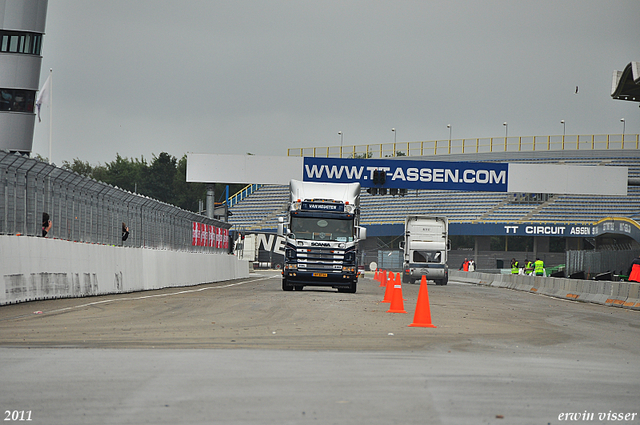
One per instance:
(426,244)
(322,235)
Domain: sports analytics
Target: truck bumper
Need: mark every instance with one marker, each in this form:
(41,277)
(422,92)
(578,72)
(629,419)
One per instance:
(306,278)
(431,273)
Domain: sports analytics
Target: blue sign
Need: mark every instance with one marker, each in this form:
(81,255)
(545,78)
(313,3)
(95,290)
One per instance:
(615,226)
(522,229)
(409,174)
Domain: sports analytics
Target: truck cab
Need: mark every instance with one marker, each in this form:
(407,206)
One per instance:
(322,235)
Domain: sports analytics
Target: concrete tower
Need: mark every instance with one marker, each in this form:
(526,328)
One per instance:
(21,29)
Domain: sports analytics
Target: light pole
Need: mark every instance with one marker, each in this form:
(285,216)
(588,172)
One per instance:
(623,123)
(506,130)
(393,130)
(449,127)
(340,134)
(563,128)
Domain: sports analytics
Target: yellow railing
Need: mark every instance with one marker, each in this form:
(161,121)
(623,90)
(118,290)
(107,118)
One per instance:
(246,191)
(481,145)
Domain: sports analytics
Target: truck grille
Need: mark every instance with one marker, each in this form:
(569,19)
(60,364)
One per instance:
(314,259)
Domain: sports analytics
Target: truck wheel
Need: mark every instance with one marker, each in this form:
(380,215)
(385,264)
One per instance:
(298,287)
(286,286)
(442,281)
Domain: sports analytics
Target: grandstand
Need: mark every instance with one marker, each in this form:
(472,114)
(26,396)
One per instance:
(384,215)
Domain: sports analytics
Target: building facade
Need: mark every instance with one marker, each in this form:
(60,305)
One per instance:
(22,24)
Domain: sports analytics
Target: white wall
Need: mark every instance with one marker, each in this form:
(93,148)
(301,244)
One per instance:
(33,268)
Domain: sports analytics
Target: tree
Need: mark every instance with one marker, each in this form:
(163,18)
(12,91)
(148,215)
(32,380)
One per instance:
(78,166)
(159,177)
(187,195)
(127,174)
(165,179)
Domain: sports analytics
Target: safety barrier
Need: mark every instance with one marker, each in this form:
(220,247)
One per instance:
(478,145)
(83,209)
(41,268)
(617,294)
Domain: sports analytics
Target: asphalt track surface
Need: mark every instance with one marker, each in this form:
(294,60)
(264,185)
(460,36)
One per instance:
(246,352)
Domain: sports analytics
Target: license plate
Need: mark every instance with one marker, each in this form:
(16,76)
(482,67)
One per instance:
(319,275)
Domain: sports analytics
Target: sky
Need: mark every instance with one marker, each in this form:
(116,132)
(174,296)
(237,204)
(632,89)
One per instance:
(141,77)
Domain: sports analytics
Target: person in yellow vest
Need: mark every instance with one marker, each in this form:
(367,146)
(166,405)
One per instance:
(514,266)
(528,267)
(538,267)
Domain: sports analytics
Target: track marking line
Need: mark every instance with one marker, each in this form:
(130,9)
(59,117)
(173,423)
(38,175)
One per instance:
(148,296)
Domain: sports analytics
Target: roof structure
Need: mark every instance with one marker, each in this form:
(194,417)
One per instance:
(626,84)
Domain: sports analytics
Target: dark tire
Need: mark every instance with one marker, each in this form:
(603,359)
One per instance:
(298,287)
(286,286)
(442,281)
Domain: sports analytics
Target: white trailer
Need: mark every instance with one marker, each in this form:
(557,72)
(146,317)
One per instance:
(426,245)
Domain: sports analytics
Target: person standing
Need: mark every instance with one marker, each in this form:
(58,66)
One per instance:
(125,232)
(46,224)
(515,269)
(538,267)
(634,270)
(465,265)
(528,267)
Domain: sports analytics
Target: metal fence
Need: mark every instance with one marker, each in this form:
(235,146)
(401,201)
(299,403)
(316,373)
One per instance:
(594,262)
(85,210)
(479,145)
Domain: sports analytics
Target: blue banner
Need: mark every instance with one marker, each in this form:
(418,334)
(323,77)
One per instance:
(408,174)
(615,226)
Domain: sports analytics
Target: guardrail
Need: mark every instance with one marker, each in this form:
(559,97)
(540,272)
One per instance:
(246,191)
(479,145)
(85,210)
(615,294)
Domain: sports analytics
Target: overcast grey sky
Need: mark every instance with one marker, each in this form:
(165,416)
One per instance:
(139,77)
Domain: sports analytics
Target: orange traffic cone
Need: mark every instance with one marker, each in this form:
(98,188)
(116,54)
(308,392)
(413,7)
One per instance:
(388,293)
(397,304)
(376,275)
(383,278)
(422,316)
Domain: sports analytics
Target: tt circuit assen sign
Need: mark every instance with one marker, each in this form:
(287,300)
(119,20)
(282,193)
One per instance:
(407,174)
(616,226)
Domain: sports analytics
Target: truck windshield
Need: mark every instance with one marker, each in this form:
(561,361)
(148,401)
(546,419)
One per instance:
(426,256)
(322,229)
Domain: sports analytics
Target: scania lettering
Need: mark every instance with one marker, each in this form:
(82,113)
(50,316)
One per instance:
(426,246)
(321,234)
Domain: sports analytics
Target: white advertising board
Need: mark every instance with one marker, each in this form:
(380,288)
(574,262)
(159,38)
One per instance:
(414,174)
(213,168)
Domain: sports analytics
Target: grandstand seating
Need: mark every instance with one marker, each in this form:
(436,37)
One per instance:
(260,210)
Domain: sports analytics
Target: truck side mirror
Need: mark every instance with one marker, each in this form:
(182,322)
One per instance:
(401,245)
(280,226)
(362,233)
(448,244)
